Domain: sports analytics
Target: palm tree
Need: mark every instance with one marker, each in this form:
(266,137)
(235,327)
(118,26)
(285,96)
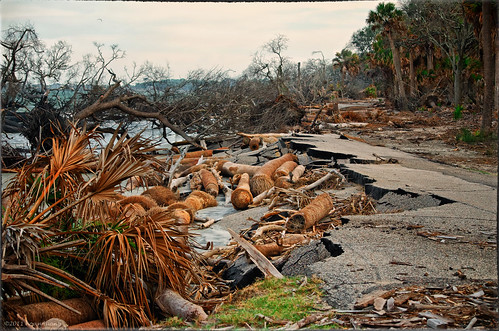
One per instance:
(388,19)
(348,62)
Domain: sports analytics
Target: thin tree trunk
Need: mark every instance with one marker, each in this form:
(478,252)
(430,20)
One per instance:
(412,75)
(398,73)
(457,84)
(488,67)
(429,58)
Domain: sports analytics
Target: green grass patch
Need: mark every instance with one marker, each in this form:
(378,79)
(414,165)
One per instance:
(458,112)
(281,300)
(469,137)
(288,299)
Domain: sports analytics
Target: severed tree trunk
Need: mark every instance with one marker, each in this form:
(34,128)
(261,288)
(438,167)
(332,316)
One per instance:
(284,170)
(231,169)
(297,173)
(241,197)
(488,66)
(262,180)
(209,181)
(36,313)
(310,214)
(276,248)
(172,303)
(254,143)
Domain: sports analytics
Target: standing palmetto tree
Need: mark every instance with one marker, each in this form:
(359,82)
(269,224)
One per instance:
(348,62)
(388,19)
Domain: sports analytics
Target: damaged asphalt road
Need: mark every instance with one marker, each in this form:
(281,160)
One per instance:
(438,224)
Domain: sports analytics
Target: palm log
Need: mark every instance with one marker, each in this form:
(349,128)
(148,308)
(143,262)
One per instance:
(241,198)
(276,248)
(37,313)
(311,214)
(284,170)
(231,169)
(209,182)
(262,180)
(172,303)
(254,143)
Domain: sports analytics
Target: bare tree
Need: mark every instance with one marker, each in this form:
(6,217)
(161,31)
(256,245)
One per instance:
(271,68)
(19,42)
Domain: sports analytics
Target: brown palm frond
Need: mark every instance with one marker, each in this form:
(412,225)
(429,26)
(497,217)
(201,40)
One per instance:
(136,253)
(121,160)
(71,156)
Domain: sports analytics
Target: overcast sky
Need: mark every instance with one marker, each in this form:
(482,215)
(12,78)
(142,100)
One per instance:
(188,36)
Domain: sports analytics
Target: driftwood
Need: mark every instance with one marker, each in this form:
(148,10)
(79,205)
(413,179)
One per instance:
(258,258)
(269,227)
(241,197)
(209,181)
(177,182)
(36,313)
(330,174)
(297,173)
(262,180)
(225,188)
(259,198)
(231,169)
(172,303)
(194,168)
(310,214)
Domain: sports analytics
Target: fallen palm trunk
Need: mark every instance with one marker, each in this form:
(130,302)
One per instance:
(241,197)
(267,138)
(231,169)
(209,182)
(276,248)
(254,143)
(196,154)
(174,304)
(186,210)
(198,200)
(36,313)
(161,194)
(91,325)
(262,180)
(311,214)
(193,169)
(284,169)
(297,173)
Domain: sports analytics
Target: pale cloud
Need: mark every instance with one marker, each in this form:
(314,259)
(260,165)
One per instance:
(192,35)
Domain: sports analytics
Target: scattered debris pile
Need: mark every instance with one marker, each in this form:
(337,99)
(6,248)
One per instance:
(467,306)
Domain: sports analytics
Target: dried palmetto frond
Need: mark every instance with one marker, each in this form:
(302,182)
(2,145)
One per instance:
(137,253)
